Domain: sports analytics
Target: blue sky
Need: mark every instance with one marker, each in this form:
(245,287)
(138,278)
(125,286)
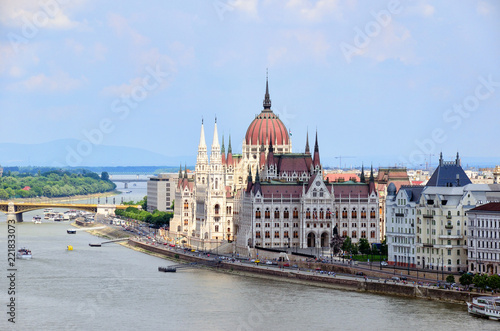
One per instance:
(395,79)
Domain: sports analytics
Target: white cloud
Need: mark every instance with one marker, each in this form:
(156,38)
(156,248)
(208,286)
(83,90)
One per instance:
(393,42)
(60,82)
(315,10)
(43,14)
(122,28)
(421,8)
(247,6)
(483,8)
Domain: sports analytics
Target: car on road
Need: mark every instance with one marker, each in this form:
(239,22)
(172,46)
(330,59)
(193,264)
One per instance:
(359,273)
(383,263)
(269,262)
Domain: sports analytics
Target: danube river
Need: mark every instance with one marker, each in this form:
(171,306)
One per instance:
(117,288)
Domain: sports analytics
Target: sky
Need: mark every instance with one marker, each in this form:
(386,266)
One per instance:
(399,81)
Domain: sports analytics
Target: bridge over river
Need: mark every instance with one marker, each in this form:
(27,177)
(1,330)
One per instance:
(14,210)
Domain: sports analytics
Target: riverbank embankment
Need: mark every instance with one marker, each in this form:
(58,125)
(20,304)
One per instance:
(301,275)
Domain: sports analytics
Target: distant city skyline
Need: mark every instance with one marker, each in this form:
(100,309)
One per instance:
(379,80)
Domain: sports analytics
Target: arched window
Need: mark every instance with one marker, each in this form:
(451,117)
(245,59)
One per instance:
(217,209)
(216,228)
(186,204)
(257,234)
(276,213)
(344,213)
(328,214)
(257,213)
(216,183)
(372,234)
(228,210)
(286,213)
(354,234)
(372,213)
(186,222)
(354,213)
(267,213)
(295,213)
(363,234)
(363,213)
(344,234)
(308,214)
(321,214)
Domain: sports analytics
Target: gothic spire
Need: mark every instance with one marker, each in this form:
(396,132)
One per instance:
(372,179)
(267,99)
(362,178)
(257,179)
(307,143)
(185,171)
(316,162)
(229,150)
(202,136)
(180,170)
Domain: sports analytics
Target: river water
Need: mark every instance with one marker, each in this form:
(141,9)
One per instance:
(114,287)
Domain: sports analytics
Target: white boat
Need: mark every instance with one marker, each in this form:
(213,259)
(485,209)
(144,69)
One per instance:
(485,306)
(37,219)
(24,254)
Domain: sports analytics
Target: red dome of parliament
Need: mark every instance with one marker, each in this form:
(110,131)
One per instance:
(267,125)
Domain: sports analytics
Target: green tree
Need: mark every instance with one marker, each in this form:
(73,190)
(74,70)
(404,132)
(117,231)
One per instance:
(364,246)
(347,245)
(450,279)
(465,279)
(105,176)
(480,280)
(383,247)
(355,249)
(494,282)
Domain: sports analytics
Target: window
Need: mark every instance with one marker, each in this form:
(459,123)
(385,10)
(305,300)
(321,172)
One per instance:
(276,234)
(295,225)
(228,210)
(277,213)
(372,213)
(257,213)
(354,213)
(354,234)
(328,214)
(295,213)
(267,225)
(285,234)
(363,234)
(372,234)
(185,222)
(286,214)
(257,234)
(257,225)
(186,205)
(216,228)
(217,209)
(344,213)
(295,234)
(308,214)
(344,234)
(267,213)
(321,214)
(363,213)
(268,234)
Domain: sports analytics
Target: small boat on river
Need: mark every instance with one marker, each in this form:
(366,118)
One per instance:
(24,254)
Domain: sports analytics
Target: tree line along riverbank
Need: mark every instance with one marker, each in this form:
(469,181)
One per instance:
(53,184)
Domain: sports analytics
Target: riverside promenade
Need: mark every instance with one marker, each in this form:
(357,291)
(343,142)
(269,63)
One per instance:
(311,277)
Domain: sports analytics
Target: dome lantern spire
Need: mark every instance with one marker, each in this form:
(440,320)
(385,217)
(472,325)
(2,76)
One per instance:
(267,99)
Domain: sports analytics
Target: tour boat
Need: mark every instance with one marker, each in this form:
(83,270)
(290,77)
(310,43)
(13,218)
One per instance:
(24,253)
(485,307)
(37,219)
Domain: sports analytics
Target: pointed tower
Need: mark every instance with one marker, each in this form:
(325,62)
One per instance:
(216,170)
(223,152)
(229,160)
(307,151)
(316,161)
(202,159)
(362,176)
(372,180)
(267,98)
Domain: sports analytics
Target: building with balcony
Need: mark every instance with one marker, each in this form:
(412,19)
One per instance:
(441,224)
(401,224)
(483,228)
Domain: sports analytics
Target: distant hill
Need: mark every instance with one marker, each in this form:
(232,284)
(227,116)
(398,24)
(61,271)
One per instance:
(64,153)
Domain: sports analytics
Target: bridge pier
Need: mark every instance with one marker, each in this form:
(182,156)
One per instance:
(125,185)
(15,217)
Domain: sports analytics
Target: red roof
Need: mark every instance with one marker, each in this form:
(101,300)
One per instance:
(492,206)
(26,188)
(345,176)
(264,126)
